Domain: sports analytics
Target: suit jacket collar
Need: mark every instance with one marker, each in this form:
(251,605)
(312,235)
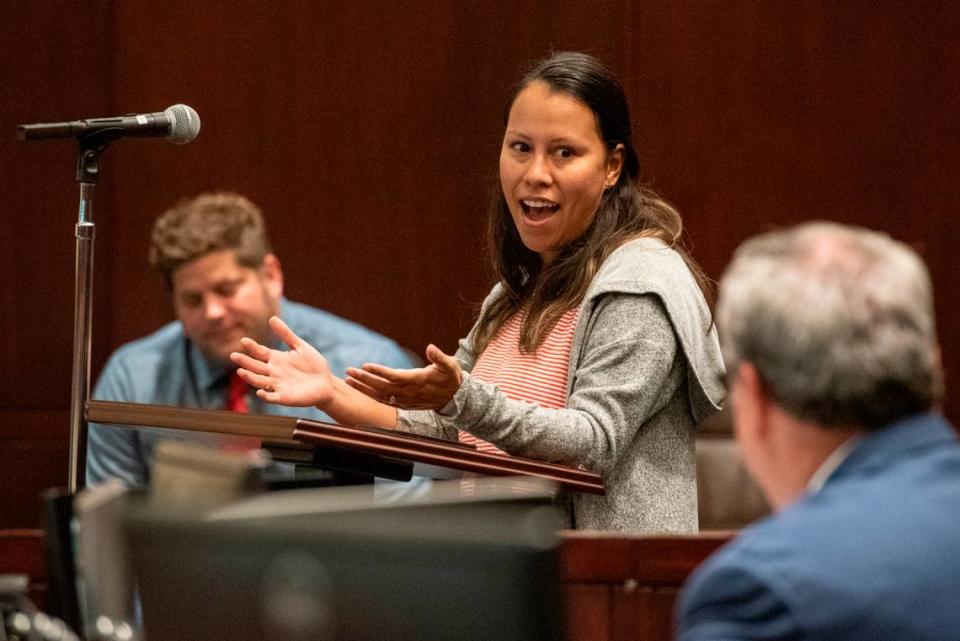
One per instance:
(879,448)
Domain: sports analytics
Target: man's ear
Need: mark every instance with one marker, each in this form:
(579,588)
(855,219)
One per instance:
(272,275)
(750,402)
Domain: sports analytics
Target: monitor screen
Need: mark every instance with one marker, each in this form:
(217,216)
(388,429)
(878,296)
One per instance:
(337,564)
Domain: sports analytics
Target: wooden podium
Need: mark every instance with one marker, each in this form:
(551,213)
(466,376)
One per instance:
(377,451)
(617,586)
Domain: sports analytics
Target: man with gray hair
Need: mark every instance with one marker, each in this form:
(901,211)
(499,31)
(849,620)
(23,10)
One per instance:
(835,378)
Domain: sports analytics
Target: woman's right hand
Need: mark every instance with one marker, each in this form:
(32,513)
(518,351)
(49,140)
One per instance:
(300,377)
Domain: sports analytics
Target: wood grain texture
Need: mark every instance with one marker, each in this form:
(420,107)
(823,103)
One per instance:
(21,552)
(369,134)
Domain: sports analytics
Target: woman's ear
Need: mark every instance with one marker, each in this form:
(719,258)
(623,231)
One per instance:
(614,166)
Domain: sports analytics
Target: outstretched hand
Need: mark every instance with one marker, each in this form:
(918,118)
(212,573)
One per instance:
(423,388)
(299,377)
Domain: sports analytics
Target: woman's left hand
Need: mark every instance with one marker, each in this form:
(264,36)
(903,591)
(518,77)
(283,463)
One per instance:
(424,388)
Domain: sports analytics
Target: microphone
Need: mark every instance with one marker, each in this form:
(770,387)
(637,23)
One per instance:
(179,124)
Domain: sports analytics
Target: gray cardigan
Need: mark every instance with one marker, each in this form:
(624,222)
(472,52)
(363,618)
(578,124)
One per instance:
(645,368)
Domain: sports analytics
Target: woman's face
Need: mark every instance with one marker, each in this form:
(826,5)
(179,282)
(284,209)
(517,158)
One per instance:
(554,168)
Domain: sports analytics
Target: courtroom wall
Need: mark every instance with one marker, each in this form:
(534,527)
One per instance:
(369,134)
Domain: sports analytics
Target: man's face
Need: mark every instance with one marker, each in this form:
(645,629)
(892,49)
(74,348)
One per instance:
(219,301)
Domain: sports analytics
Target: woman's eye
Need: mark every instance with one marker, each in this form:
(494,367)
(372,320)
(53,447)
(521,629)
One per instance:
(564,152)
(522,147)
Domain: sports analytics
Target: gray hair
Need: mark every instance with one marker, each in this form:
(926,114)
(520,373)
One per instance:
(838,322)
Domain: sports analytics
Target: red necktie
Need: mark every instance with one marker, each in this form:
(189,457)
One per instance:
(237,394)
(237,402)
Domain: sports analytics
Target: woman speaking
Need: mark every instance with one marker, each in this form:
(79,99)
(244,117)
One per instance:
(596,348)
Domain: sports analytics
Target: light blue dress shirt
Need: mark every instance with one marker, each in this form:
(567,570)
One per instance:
(165,368)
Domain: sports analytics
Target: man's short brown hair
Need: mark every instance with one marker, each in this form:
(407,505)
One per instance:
(211,222)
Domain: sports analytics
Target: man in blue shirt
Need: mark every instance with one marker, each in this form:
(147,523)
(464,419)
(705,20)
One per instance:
(828,332)
(225,283)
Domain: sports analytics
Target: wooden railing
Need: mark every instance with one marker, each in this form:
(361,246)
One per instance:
(21,552)
(624,587)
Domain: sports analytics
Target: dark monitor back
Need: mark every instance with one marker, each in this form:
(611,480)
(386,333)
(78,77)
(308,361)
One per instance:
(472,570)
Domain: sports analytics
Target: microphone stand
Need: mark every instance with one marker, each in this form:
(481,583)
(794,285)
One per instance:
(88,175)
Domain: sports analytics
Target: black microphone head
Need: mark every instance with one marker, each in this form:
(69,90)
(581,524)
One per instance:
(184,124)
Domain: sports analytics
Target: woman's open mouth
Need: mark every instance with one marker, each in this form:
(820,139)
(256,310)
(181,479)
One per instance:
(535,209)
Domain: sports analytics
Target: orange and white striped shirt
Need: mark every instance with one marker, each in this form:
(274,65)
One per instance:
(539,377)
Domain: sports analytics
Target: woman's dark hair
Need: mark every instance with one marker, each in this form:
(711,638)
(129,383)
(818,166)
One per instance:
(626,211)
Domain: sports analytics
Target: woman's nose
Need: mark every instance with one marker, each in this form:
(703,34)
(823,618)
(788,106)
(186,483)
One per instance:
(538,171)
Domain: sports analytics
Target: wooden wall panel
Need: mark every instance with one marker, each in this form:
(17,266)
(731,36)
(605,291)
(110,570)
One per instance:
(21,552)
(369,134)
(55,64)
(55,58)
(34,451)
(755,115)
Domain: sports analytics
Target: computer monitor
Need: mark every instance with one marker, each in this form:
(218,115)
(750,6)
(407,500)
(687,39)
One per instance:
(338,564)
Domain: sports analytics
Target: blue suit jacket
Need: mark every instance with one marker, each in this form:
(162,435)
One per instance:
(873,556)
